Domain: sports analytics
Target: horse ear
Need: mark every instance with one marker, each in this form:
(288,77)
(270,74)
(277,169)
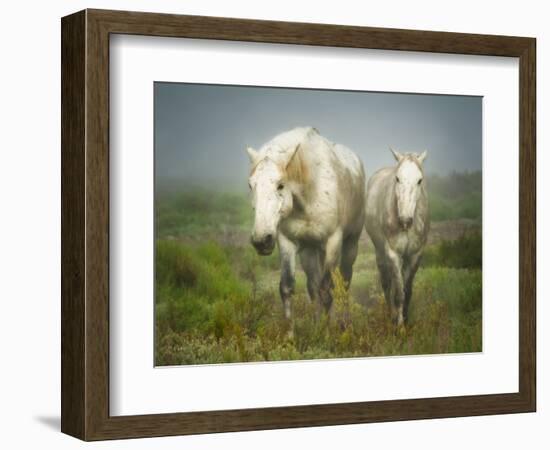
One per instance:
(422,157)
(398,156)
(252,154)
(292,155)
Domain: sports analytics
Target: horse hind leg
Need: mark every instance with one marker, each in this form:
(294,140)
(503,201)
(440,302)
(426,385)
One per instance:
(312,265)
(332,260)
(408,295)
(286,290)
(349,255)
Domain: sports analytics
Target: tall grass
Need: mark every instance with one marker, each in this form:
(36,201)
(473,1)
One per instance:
(207,311)
(199,211)
(464,252)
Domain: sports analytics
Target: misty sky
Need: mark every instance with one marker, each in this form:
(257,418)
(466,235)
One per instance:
(202,131)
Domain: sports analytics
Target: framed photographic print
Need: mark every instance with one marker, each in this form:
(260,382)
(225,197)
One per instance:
(271,224)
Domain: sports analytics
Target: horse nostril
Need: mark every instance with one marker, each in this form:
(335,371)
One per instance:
(262,241)
(406,222)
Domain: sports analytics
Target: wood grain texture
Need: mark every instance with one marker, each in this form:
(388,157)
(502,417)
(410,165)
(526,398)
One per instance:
(85,224)
(527,224)
(73,227)
(97,225)
(152,24)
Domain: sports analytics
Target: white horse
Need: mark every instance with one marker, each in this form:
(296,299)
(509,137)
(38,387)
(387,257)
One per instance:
(398,221)
(308,195)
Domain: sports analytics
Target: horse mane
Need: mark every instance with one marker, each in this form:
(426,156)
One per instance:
(296,169)
(253,168)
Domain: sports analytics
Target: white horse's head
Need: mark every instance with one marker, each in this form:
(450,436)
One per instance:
(409,177)
(271,197)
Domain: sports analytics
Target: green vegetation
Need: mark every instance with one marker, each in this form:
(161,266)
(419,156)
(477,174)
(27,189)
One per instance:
(184,212)
(456,196)
(462,253)
(201,211)
(218,301)
(216,305)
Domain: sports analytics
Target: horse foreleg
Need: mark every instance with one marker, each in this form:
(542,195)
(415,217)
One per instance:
(397,285)
(333,255)
(408,275)
(385,277)
(287,252)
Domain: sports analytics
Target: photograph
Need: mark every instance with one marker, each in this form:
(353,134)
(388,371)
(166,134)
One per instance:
(300,224)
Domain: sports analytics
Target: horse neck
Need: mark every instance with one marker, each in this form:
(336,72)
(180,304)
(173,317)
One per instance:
(422,206)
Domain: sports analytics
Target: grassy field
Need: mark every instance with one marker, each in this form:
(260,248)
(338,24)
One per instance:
(217,300)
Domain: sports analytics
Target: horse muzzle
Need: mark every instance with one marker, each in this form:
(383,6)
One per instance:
(406,222)
(264,245)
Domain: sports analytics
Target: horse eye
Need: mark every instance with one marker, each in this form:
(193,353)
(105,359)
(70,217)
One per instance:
(280,186)
(397,178)
(420,181)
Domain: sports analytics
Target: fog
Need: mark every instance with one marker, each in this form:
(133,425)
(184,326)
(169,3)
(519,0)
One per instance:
(202,131)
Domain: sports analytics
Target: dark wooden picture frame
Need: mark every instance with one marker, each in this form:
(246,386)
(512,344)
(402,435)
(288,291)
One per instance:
(85,224)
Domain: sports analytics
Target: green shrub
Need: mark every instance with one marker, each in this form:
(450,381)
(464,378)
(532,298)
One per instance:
(464,252)
(188,283)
